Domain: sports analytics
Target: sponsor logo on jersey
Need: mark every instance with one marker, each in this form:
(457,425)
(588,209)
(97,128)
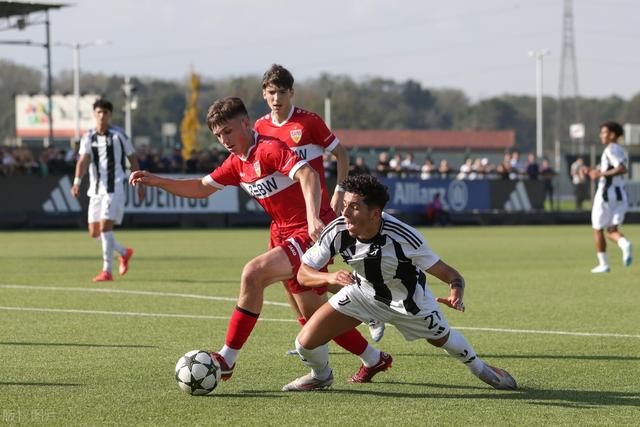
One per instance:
(256,166)
(301,152)
(262,188)
(296,135)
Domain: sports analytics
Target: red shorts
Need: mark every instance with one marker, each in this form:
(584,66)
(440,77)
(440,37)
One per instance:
(295,244)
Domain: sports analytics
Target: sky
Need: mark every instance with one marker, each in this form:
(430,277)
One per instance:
(480,47)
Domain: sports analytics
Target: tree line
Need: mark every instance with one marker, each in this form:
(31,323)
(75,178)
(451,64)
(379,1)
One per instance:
(372,103)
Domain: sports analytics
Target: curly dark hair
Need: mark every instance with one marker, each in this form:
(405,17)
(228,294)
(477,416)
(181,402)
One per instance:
(373,192)
(278,76)
(103,103)
(225,109)
(614,127)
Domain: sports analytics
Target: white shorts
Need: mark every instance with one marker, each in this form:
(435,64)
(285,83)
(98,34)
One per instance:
(607,214)
(428,323)
(106,207)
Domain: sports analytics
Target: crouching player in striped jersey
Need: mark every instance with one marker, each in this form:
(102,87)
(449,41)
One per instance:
(388,283)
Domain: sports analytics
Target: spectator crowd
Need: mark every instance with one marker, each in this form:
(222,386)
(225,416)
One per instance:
(16,161)
(404,166)
(20,161)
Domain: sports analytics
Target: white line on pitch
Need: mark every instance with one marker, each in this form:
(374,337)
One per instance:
(532,331)
(131,313)
(196,316)
(130,292)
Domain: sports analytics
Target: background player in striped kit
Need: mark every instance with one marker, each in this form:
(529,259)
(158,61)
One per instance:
(610,201)
(104,151)
(388,283)
(309,137)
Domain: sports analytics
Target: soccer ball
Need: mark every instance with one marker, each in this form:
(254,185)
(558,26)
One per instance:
(197,373)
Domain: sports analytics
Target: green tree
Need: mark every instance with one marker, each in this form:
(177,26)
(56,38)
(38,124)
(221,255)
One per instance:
(14,79)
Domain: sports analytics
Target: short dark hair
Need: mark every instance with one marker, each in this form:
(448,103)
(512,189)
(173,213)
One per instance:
(278,76)
(373,192)
(103,103)
(225,109)
(614,127)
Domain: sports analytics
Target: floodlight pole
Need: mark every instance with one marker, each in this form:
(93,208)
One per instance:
(49,85)
(76,89)
(127,87)
(76,46)
(327,109)
(538,55)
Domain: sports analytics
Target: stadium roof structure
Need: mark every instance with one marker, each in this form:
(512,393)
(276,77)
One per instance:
(425,139)
(10,9)
(17,14)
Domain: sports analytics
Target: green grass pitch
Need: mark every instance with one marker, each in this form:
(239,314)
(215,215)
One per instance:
(73,354)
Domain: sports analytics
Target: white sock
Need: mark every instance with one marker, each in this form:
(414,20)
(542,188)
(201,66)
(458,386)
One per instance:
(229,354)
(107,250)
(370,356)
(602,258)
(118,247)
(316,359)
(457,346)
(623,243)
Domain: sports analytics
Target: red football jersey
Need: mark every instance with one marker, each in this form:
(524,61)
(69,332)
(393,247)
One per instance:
(267,175)
(306,134)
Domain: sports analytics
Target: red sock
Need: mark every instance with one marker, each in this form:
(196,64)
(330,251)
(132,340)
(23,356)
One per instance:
(240,326)
(352,341)
(302,320)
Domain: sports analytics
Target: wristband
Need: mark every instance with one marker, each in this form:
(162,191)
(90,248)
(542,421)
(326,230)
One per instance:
(457,283)
(339,188)
(77,180)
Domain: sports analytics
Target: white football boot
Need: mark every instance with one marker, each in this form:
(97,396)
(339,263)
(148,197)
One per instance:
(498,378)
(600,269)
(376,329)
(309,383)
(627,255)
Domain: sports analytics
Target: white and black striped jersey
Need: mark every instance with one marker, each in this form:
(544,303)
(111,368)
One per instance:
(108,155)
(612,188)
(390,267)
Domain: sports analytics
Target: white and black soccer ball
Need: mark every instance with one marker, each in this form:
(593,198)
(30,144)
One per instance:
(197,373)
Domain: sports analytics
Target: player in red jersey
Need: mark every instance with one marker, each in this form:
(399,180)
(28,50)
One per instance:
(309,137)
(289,191)
(303,131)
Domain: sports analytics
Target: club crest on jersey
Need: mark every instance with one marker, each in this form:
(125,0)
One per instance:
(256,166)
(296,135)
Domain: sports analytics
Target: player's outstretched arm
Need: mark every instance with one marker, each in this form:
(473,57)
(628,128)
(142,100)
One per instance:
(449,275)
(309,276)
(342,163)
(192,188)
(310,185)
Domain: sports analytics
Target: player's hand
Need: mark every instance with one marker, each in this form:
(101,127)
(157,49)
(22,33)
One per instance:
(341,277)
(75,190)
(143,177)
(594,174)
(315,228)
(337,202)
(454,300)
